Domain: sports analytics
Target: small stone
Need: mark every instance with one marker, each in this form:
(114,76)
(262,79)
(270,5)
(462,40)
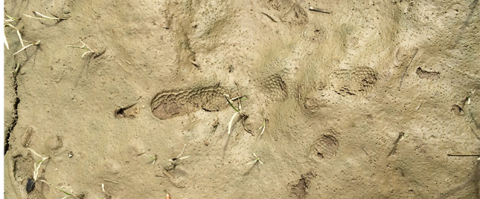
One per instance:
(30,185)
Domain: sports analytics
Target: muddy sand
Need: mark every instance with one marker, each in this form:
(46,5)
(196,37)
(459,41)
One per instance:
(336,99)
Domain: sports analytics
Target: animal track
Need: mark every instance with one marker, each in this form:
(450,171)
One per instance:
(423,74)
(289,11)
(276,88)
(300,189)
(354,81)
(295,16)
(173,103)
(325,146)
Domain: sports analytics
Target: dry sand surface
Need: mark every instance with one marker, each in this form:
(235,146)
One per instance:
(356,99)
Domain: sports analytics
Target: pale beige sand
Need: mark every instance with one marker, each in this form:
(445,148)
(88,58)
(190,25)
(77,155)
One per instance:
(336,90)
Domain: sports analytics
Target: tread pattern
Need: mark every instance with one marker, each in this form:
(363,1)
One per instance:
(173,103)
(356,81)
(275,88)
(324,147)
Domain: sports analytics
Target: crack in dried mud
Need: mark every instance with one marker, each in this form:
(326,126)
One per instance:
(15,113)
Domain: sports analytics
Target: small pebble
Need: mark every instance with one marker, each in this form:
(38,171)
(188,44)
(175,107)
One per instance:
(30,185)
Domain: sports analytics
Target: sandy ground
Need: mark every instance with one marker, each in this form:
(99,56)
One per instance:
(360,99)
